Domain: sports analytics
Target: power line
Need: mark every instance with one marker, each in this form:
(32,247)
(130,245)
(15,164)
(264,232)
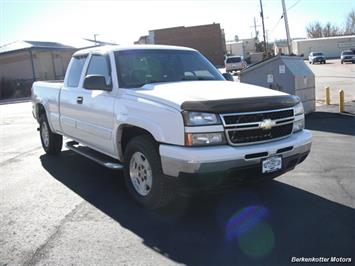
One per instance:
(282,16)
(288,9)
(277,24)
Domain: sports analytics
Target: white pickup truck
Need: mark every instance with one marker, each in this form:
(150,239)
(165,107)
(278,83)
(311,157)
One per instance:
(169,119)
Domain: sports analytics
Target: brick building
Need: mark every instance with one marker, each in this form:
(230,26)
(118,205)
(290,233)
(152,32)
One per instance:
(208,39)
(23,62)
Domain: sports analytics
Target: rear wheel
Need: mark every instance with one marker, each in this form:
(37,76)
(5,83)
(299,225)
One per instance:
(143,174)
(51,142)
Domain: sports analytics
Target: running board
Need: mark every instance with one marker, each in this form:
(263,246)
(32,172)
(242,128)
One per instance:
(94,155)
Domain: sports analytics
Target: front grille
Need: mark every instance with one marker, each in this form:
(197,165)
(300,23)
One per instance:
(246,128)
(255,135)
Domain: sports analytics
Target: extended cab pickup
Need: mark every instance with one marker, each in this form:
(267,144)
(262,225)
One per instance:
(167,117)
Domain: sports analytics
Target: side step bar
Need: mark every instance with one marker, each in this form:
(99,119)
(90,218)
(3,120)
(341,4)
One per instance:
(94,155)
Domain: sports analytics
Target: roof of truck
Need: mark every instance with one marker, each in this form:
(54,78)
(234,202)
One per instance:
(113,48)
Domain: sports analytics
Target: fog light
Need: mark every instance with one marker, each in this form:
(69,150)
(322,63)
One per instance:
(202,139)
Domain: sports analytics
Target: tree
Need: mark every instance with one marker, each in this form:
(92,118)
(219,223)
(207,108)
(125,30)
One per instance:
(331,30)
(317,30)
(314,30)
(350,23)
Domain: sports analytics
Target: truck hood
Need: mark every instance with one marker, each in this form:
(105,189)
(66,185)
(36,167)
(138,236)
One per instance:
(199,95)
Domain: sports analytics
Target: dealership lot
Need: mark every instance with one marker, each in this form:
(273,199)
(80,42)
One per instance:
(68,210)
(337,77)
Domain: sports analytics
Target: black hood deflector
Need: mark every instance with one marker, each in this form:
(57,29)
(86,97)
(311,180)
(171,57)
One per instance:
(251,104)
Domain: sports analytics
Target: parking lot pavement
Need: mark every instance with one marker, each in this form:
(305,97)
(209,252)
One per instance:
(337,76)
(67,210)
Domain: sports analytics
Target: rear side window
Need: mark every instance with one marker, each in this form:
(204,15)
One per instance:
(75,70)
(234,60)
(99,65)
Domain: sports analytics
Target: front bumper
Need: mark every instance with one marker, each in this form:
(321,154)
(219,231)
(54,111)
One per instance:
(348,59)
(177,161)
(318,59)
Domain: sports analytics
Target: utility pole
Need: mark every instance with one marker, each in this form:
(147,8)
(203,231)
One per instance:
(256,32)
(262,19)
(289,44)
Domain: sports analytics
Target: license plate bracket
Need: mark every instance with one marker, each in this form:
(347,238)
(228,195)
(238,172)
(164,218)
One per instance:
(271,164)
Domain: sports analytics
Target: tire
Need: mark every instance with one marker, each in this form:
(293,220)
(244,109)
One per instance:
(342,62)
(51,142)
(143,175)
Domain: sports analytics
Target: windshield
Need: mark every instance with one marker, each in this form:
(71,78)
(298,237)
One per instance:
(317,54)
(348,53)
(233,60)
(135,68)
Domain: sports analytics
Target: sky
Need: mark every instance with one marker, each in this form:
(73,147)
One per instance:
(123,22)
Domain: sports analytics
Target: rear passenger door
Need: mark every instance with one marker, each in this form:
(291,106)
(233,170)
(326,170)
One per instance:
(95,117)
(68,96)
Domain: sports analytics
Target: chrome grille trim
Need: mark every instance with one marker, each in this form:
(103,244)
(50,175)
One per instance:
(256,125)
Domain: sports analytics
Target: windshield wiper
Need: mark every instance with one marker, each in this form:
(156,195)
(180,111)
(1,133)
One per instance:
(149,82)
(198,78)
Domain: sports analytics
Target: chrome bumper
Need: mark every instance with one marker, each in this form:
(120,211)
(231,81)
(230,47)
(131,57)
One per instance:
(176,160)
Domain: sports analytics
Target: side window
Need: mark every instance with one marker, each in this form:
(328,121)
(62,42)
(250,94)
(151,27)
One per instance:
(75,71)
(99,65)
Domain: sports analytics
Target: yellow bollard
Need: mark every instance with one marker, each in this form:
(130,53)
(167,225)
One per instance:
(327,95)
(341,101)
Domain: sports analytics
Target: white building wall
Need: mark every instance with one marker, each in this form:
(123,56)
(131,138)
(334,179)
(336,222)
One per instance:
(243,47)
(235,48)
(249,46)
(331,47)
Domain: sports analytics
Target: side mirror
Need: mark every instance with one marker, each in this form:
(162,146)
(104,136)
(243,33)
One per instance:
(228,76)
(96,82)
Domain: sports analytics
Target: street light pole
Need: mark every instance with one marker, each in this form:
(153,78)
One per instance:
(289,44)
(262,19)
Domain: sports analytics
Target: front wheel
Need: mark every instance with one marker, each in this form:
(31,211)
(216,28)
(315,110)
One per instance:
(51,142)
(143,174)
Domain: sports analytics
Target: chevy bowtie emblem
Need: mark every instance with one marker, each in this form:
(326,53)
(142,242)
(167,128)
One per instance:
(267,124)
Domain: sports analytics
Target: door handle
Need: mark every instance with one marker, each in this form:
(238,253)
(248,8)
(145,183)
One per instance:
(79,99)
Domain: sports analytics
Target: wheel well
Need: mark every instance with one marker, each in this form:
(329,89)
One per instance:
(40,110)
(126,133)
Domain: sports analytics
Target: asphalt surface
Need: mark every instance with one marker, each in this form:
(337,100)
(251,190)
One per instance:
(67,210)
(337,77)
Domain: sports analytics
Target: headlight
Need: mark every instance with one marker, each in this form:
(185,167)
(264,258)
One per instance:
(203,139)
(298,125)
(298,109)
(200,119)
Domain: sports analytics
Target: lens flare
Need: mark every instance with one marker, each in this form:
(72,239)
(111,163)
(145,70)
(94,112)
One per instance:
(258,242)
(254,235)
(245,220)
